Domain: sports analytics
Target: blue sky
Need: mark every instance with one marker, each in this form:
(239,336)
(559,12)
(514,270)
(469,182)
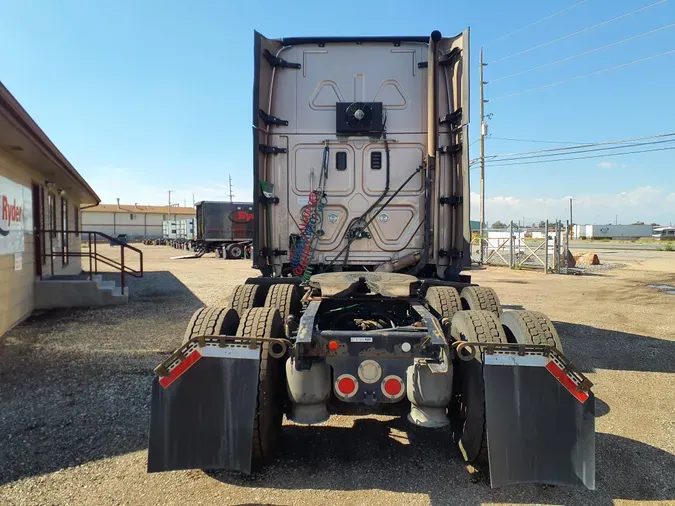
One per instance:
(146,96)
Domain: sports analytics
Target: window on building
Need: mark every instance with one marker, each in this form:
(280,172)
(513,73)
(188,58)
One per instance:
(76,218)
(164,217)
(132,216)
(42,222)
(64,231)
(52,214)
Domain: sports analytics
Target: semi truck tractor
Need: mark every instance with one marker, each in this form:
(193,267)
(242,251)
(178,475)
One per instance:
(364,302)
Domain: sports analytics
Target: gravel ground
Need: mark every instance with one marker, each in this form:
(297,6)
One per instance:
(75,391)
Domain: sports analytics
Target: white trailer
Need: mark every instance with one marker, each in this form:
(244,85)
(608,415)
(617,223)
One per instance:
(617,231)
(178,229)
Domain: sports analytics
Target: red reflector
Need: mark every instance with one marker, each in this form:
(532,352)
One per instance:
(333,345)
(346,385)
(571,387)
(392,386)
(176,372)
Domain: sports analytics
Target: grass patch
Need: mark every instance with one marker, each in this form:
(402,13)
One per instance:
(668,247)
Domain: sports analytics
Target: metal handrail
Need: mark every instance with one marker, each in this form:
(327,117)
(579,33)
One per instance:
(93,254)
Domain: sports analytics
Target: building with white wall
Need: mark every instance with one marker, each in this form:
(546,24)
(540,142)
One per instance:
(134,220)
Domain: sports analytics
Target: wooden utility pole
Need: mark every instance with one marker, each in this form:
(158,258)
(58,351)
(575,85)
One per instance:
(482,158)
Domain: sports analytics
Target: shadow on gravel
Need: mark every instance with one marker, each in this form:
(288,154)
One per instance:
(368,456)
(590,348)
(75,384)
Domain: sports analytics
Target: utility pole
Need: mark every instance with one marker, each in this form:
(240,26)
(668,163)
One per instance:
(482,156)
(571,220)
(231,194)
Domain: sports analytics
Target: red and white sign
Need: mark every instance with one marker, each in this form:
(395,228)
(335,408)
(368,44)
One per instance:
(15,216)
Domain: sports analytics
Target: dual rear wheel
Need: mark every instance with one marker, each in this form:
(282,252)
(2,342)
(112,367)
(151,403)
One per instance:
(476,316)
(254,311)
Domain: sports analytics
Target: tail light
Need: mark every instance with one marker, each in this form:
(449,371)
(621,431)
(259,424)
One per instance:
(346,386)
(392,387)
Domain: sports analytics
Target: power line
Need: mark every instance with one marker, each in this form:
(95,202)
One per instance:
(578,32)
(583,75)
(588,145)
(582,54)
(532,140)
(584,157)
(638,144)
(536,22)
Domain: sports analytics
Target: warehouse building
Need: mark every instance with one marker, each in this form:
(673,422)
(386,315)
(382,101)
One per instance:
(135,221)
(41,195)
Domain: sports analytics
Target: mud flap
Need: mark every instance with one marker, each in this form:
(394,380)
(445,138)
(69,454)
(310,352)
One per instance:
(540,429)
(202,413)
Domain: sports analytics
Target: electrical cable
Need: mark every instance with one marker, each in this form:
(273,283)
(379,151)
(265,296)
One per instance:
(352,239)
(351,229)
(582,146)
(536,22)
(639,144)
(532,140)
(578,32)
(584,75)
(581,157)
(581,54)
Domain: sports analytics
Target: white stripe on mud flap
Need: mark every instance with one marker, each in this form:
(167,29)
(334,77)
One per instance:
(230,352)
(515,360)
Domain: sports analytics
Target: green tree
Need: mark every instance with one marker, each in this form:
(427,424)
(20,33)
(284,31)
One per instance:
(498,224)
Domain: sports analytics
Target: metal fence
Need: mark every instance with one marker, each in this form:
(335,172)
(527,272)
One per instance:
(515,247)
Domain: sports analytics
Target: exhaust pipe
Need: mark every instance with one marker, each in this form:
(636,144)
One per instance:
(397,265)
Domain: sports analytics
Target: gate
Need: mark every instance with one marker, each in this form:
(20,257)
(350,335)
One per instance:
(518,248)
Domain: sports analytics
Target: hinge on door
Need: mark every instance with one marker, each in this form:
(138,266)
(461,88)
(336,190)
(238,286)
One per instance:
(452,200)
(453,253)
(271,120)
(270,150)
(275,61)
(453,118)
(453,148)
(449,57)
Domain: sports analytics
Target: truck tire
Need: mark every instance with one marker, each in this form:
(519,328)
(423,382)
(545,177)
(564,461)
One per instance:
(530,327)
(470,428)
(266,322)
(284,297)
(444,301)
(234,251)
(481,298)
(245,297)
(212,321)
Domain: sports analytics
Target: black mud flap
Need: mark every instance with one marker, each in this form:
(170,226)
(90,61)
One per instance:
(540,429)
(202,413)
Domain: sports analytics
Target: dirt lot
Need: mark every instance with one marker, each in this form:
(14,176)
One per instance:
(75,390)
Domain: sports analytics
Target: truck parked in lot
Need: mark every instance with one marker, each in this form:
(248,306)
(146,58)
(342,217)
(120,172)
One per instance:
(361,234)
(225,228)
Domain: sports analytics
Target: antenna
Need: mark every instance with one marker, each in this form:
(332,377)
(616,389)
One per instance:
(231,194)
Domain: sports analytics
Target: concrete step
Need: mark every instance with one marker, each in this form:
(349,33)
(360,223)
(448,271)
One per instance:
(53,293)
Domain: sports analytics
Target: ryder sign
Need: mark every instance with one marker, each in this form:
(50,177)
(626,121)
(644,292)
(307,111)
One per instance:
(14,219)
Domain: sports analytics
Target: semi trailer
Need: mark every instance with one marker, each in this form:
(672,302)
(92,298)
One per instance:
(364,304)
(223,228)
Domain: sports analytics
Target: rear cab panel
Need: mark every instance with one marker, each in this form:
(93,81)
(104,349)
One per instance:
(333,72)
